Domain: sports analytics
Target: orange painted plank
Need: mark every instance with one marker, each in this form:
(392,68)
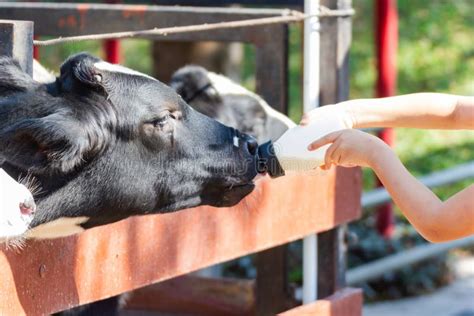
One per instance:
(194,295)
(52,275)
(345,302)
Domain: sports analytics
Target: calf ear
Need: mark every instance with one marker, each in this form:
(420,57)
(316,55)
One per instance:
(44,145)
(85,72)
(77,71)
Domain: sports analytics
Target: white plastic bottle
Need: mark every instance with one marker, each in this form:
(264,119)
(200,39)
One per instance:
(290,152)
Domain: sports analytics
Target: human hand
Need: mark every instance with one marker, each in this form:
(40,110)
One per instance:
(332,112)
(350,148)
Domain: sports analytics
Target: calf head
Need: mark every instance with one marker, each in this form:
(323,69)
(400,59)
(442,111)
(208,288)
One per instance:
(105,142)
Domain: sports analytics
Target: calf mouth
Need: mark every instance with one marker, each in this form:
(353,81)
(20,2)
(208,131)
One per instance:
(235,194)
(227,195)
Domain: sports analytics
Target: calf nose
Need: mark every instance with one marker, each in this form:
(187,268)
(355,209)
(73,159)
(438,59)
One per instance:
(28,207)
(252,145)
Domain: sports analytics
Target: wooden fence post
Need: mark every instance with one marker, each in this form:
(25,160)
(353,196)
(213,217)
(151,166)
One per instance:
(16,40)
(271,53)
(334,87)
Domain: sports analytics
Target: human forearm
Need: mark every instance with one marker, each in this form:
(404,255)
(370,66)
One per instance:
(419,110)
(412,197)
(436,220)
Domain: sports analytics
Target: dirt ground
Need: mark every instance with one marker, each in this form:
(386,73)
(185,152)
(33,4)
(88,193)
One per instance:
(456,299)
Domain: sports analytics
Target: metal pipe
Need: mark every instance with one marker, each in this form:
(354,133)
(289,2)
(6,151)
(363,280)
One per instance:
(310,101)
(435,179)
(386,32)
(375,269)
(112,51)
(112,47)
(36,52)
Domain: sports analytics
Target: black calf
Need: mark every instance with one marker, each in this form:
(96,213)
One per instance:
(105,142)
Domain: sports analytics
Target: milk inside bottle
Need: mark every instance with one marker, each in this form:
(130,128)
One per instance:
(290,152)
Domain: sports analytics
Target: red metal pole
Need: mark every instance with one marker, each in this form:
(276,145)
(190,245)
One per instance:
(112,47)
(386,18)
(36,54)
(112,51)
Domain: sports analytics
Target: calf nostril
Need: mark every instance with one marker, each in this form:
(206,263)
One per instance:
(27,207)
(252,146)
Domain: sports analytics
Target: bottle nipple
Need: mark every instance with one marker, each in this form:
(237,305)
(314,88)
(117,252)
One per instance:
(268,162)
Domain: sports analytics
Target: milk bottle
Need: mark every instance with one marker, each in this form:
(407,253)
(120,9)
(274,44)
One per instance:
(290,152)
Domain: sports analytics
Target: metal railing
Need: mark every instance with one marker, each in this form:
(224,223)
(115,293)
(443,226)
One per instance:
(376,269)
(433,180)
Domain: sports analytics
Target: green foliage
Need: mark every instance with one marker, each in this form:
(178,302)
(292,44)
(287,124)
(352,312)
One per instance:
(53,56)
(295,66)
(137,55)
(435,50)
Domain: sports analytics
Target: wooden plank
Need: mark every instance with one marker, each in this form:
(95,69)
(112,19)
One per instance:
(332,246)
(113,259)
(271,54)
(16,40)
(196,296)
(272,84)
(335,44)
(67,19)
(272,292)
(334,72)
(217,3)
(346,302)
(331,261)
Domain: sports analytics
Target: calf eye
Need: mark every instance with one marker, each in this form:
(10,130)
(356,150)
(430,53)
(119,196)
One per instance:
(162,120)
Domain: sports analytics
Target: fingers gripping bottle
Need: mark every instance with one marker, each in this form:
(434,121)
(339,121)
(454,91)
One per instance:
(290,152)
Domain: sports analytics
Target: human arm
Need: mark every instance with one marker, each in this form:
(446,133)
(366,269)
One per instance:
(435,220)
(418,110)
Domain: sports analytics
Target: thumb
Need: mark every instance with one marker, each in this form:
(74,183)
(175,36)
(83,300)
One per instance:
(329,138)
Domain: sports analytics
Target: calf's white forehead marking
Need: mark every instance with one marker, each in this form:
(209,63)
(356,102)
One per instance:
(236,141)
(103,65)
